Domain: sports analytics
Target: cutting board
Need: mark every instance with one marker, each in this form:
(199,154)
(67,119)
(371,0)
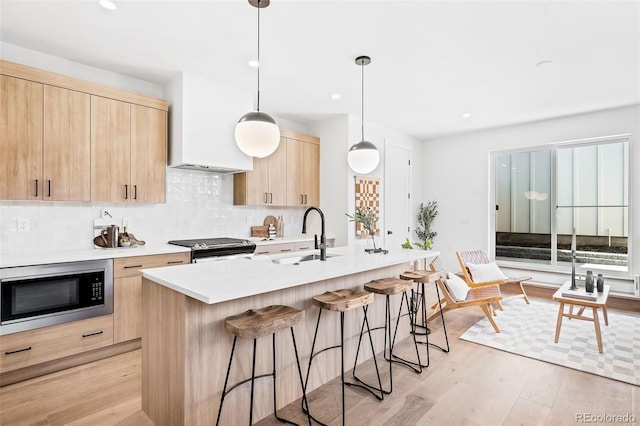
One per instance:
(270,220)
(260,231)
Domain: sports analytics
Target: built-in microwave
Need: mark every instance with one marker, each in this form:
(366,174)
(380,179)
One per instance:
(43,295)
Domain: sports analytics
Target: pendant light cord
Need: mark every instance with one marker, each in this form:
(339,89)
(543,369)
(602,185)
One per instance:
(259,64)
(362,66)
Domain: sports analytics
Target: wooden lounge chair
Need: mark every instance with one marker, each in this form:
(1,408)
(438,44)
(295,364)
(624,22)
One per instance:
(482,296)
(479,257)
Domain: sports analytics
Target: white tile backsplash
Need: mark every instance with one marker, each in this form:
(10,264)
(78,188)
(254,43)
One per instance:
(199,205)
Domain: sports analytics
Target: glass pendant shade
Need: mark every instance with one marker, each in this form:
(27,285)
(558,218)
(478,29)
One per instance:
(363,157)
(257,134)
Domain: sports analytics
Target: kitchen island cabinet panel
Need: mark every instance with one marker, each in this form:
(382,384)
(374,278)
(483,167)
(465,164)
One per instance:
(185,348)
(20,139)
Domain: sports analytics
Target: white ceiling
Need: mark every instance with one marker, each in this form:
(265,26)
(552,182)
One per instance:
(432,61)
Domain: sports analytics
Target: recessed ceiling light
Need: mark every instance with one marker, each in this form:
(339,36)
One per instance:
(466,115)
(254,63)
(107,4)
(545,62)
(336,96)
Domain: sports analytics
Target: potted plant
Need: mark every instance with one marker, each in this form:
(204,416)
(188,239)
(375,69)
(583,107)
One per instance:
(427,212)
(367,218)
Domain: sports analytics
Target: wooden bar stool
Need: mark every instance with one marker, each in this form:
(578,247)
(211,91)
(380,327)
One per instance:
(390,287)
(420,306)
(341,301)
(256,323)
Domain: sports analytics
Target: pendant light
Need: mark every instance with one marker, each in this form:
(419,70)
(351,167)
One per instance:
(363,157)
(257,133)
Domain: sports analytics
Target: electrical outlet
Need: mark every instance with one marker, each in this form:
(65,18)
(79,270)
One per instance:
(24,224)
(126,221)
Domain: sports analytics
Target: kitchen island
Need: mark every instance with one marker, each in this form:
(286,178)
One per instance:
(185,348)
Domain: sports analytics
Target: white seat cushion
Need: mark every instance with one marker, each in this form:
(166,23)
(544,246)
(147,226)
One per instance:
(457,287)
(485,272)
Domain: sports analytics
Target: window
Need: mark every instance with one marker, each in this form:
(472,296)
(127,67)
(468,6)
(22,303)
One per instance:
(545,193)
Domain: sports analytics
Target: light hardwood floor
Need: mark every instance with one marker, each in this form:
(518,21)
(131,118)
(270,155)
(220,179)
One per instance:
(471,385)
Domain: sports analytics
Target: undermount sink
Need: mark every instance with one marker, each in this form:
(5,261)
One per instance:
(297,259)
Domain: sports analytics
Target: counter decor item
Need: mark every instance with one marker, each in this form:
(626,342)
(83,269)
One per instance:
(367,218)
(426,214)
(588,282)
(280,227)
(600,283)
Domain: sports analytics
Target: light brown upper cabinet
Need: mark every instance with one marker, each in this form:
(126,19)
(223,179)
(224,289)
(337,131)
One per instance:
(128,155)
(45,142)
(288,177)
(20,139)
(267,183)
(110,150)
(148,154)
(64,139)
(303,170)
(67,145)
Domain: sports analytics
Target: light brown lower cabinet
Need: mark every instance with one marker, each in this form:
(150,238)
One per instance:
(48,343)
(274,248)
(127,291)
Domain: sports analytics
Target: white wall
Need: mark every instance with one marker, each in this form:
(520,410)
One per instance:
(457,174)
(44,61)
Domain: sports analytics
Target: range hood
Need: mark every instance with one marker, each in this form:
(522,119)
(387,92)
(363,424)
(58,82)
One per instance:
(202,119)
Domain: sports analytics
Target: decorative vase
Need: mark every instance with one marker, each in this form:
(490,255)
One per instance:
(588,282)
(600,283)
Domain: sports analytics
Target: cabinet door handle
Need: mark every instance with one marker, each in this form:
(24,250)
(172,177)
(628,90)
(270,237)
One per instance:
(126,192)
(283,250)
(48,188)
(301,199)
(262,252)
(174,262)
(305,199)
(135,192)
(17,351)
(36,194)
(92,334)
(271,198)
(132,266)
(266,200)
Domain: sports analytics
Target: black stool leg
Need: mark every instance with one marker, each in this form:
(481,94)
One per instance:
(342,363)
(302,385)
(372,389)
(226,380)
(253,379)
(415,366)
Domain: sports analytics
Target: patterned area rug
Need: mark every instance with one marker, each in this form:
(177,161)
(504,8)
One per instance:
(529,330)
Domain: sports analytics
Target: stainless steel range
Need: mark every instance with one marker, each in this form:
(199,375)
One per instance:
(208,249)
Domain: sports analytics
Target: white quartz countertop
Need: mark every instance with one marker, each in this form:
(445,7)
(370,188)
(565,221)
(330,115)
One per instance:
(60,256)
(215,282)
